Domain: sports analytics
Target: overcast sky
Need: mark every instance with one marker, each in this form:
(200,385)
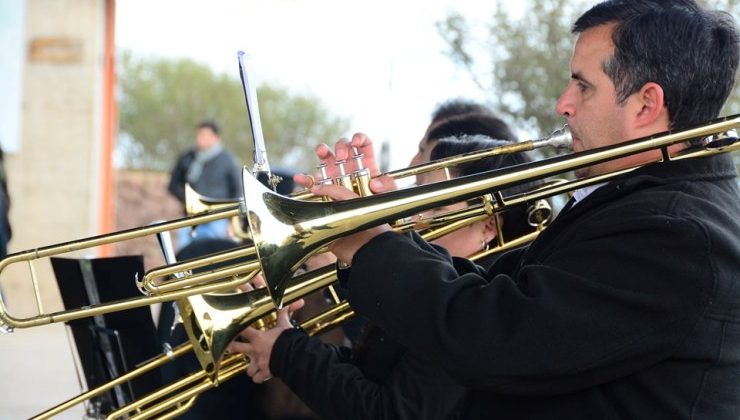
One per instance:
(379,63)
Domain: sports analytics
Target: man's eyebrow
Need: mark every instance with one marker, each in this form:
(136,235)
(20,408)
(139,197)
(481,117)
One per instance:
(579,77)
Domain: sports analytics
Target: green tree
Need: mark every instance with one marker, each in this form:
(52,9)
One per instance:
(163,100)
(523,64)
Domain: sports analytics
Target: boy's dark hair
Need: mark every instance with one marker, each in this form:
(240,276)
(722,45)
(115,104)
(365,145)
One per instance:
(455,107)
(470,124)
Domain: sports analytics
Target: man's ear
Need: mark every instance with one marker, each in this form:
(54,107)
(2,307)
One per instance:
(651,107)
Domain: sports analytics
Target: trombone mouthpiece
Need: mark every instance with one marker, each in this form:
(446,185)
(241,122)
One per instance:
(559,139)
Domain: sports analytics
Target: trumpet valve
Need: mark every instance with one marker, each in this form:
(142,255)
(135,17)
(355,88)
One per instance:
(266,322)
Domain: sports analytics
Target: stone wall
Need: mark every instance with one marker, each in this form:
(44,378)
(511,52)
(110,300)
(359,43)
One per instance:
(141,199)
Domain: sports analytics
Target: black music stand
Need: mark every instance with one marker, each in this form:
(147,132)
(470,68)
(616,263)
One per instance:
(111,344)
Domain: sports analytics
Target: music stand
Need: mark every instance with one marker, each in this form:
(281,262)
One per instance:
(111,344)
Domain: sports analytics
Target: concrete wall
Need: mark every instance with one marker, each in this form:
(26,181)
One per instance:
(53,178)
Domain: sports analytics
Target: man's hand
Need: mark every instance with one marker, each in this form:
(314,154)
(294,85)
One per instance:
(346,247)
(343,151)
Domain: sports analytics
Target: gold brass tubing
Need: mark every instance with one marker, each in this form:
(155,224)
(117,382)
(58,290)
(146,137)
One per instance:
(235,364)
(231,366)
(76,245)
(452,226)
(37,292)
(559,139)
(136,407)
(460,159)
(330,318)
(120,305)
(146,367)
(285,234)
(563,186)
(149,283)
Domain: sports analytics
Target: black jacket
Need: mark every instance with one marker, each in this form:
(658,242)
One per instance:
(220,178)
(383,381)
(627,306)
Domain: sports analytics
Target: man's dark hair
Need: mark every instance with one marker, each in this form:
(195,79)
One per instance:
(691,53)
(210,125)
(470,124)
(454,107)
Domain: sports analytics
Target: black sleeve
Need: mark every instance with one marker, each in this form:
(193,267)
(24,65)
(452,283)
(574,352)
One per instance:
(178,176)
(576,319)
(334,388)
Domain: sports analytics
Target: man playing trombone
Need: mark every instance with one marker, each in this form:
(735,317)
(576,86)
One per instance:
(628,305)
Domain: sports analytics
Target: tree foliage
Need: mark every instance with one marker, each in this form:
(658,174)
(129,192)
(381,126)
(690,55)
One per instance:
(523,64)
(163,100)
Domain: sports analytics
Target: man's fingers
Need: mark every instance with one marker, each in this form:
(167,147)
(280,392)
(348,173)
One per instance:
(238,347)
(335,192)
(250,333)
(383,184)
(364,145)
(342,150)
(294,306)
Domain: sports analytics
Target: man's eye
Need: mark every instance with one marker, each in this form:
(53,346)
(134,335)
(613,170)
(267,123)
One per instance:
(582,86)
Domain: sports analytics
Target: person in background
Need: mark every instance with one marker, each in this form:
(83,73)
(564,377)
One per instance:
(6,233)
(210,170)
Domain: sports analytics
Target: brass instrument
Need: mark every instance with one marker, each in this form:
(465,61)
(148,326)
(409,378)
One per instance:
(286,231)
(196,203)
(178,397)
(210,318)
(9,322)
(185,287)
(154,284)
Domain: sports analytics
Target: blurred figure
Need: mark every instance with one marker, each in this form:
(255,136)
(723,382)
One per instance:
(5,231)
(212,171)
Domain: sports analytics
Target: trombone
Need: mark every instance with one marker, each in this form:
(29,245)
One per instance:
(286,232)
(251,307)
(153,284)
(306,226)
(176,398)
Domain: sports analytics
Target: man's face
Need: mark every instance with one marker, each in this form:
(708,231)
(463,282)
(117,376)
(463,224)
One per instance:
(205,138)
(589,102)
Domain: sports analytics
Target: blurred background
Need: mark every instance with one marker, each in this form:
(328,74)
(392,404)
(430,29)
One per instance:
(99,97)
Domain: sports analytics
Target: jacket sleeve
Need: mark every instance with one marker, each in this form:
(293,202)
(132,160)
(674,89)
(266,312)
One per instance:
(177,176)
(334,388)
(578,318)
